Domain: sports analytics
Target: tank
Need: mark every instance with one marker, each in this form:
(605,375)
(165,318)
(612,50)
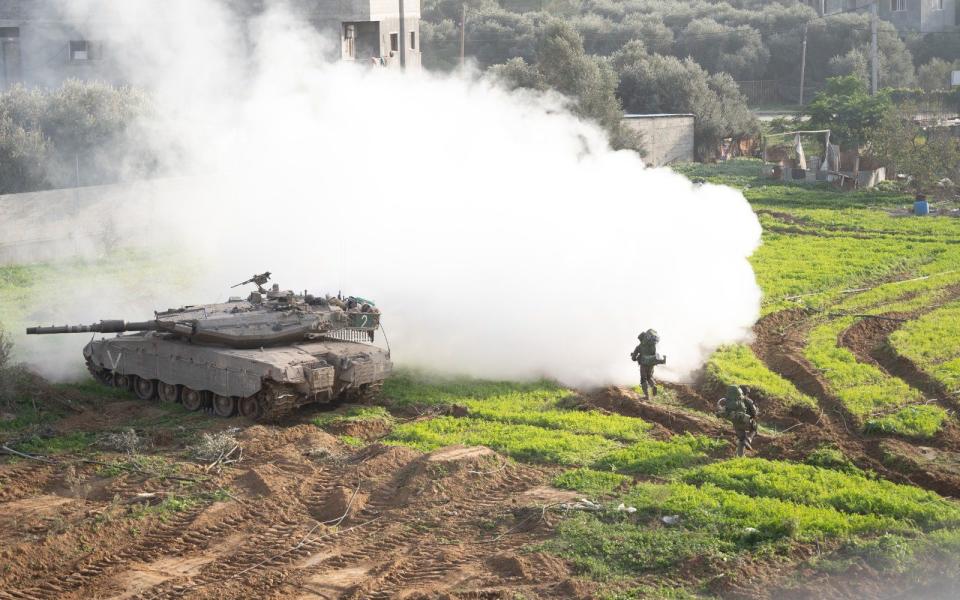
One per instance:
(261,357)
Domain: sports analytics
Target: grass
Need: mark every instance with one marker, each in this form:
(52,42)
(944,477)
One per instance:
(70,443)
(876,399)
(407,387)
(354,414)
(826,488)
(523,442)
(590,481)
(655,457)
(819,268)
(932,342)
(738,365)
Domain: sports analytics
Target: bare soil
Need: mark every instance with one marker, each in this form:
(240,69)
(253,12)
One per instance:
(306,517)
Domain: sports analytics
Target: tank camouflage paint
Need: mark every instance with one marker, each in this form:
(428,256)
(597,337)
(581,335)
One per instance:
(262,357)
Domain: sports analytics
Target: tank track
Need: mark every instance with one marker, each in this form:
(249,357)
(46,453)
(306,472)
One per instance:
(276,402)
(366,394)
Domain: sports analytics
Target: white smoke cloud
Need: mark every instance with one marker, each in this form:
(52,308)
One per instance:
(499,234)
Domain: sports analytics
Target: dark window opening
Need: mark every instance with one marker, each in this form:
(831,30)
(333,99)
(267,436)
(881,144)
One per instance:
(394,42)
(413,40)
(9,33)
(83,51)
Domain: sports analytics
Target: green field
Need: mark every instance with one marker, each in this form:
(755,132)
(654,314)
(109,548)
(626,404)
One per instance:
(692,508)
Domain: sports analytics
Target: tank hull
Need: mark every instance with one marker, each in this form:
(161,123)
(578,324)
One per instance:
(263,383)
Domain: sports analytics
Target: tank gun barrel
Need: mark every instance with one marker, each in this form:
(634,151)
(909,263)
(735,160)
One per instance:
(101,327)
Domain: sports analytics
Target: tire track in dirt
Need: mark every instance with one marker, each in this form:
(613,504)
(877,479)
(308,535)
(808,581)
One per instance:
(150,544)
(19,482)
(428,562)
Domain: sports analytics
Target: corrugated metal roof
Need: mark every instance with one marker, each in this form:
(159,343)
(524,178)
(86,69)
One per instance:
(658,115)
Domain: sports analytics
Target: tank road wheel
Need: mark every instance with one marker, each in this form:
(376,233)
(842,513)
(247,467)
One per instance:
(121,382)
(145,389)
(192,399)
(224,406)
(250,407)
(105,377)
(168,392)
(101,375)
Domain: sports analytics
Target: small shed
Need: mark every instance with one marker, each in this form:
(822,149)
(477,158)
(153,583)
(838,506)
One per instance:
(667,138)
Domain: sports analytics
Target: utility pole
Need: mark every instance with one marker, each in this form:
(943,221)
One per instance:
(803,62)
(874,62)
(403,38)
(463,33)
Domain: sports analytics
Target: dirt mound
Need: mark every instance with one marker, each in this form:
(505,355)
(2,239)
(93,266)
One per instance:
(625,401)
(340,503)
(511,565)
(264,480)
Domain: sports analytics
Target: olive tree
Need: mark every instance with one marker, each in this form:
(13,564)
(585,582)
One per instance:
(562,64)
(925,156)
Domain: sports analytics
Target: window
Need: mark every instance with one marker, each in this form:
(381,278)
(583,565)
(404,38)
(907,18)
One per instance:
(9,33)
(898,5)
(83,51)
(394,42)
(413,40)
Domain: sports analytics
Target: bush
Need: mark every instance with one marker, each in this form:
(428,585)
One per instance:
(562,64)
(46,136)
(651,83)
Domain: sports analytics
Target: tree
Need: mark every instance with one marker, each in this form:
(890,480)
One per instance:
(835,37)
(652,83)
(563,65)
(848,110)
(738,51)
(926,156)
(46,135)
(935,75)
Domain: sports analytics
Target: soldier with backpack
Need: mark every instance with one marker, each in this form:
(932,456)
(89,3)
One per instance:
(645,354)
(740,410)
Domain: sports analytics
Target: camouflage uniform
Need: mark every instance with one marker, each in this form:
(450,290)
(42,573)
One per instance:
(742,412)
(646,354)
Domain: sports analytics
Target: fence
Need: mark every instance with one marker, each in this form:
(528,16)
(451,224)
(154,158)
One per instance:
(775,91)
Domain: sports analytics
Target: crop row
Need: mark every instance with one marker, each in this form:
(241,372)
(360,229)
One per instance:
(880,402)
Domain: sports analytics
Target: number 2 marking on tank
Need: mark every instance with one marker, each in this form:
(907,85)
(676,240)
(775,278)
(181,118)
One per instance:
(363,320)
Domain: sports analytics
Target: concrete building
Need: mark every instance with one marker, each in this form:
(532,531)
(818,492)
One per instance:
(908,16)
(667,138)
(38,47)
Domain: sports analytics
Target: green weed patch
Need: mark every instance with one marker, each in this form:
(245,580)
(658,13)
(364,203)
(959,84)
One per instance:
(932,342)
(655,457)
(61,444)
(817,487)
(589,481)
(866,391)
(738,365)
(408,387)
(523,442)
(354,414)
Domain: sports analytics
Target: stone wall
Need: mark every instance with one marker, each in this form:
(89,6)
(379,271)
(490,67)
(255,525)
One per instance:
(667,139)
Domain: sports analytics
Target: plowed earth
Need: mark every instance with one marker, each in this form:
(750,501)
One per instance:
(306,517)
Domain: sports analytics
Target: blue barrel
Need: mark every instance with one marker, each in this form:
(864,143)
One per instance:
(921,208)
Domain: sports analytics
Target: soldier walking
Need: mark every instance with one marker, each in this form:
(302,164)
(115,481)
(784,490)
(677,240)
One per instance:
(740,410)
(645,354)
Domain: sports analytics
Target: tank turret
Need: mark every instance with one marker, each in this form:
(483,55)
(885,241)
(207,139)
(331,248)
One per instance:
(262,356)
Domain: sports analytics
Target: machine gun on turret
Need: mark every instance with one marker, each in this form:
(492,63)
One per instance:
(260,280)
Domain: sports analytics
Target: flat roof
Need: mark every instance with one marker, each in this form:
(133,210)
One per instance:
(658,115)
